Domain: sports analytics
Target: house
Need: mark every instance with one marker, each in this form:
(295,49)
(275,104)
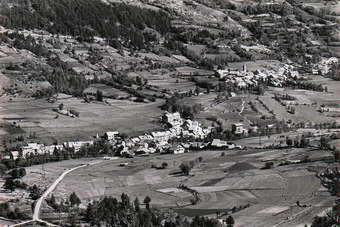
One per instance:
(217,143)
(15,155)
(111,135)
(144,148)
(52,148)
(238,129)
(172,119)
(77,145)
(197,145)
(32,148)
(179,149)
(161,136)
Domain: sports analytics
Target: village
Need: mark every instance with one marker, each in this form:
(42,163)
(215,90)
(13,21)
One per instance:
(221,113)
(179,129)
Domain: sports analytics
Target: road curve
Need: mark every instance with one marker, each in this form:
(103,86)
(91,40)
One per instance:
(49,190)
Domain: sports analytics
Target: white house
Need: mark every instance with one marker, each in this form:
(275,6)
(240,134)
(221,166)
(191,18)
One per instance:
(77,145)
(217,143)
(32,148)
(176,149)
(173,119)
(111,135)
(238,129)
(15,154)
(50,149)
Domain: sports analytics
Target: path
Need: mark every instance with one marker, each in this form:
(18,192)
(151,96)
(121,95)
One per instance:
(242,108)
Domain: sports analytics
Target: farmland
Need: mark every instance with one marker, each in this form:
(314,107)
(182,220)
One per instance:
(233,180)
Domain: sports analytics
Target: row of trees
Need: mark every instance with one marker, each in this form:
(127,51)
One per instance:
(110,211)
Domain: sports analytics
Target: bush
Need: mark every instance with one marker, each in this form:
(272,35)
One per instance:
(164,165)
(268,165)
(185,168)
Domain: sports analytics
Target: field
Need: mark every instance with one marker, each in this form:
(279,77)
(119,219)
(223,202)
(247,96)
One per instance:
(164,79)
(308,102)
(333,7)
(122,115)
(222,183)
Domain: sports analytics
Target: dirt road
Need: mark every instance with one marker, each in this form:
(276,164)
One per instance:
(50,189)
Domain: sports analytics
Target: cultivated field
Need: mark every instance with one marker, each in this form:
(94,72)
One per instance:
(222,183)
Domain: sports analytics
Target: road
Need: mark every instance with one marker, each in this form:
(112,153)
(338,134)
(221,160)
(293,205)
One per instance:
(50,189)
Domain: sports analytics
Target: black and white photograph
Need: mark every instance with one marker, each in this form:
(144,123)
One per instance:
(170,113)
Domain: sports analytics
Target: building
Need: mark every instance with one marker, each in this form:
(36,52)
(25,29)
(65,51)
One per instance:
(172,119)
(217,143)
(32,148)
(111,135)
(52,148)
(238,129)
(177,149)
(77,145)
(15,155)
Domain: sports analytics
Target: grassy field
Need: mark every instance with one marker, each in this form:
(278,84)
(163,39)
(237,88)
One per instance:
(122,115)
(222,182)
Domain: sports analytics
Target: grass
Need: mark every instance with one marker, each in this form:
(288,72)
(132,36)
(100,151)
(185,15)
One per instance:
(122,115)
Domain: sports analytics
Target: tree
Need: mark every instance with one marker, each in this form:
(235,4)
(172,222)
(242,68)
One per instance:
(304,142)
(185,168)
(52,201)
(230,221)
(22,172)
(147,201)
(324,142)
(164,165)
(289,141)
(74,199)
(136,204)
(3,169)
(35,192)
(18,173)
(268,165)
(99,96)
(61,106)
(90,213)
(9,184)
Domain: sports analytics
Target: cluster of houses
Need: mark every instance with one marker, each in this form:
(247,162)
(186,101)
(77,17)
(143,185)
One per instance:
(171,140)
(160,141)
(324,66)
(245,78)
(37,148)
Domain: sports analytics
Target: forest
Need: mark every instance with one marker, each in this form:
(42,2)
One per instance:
(87,18)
